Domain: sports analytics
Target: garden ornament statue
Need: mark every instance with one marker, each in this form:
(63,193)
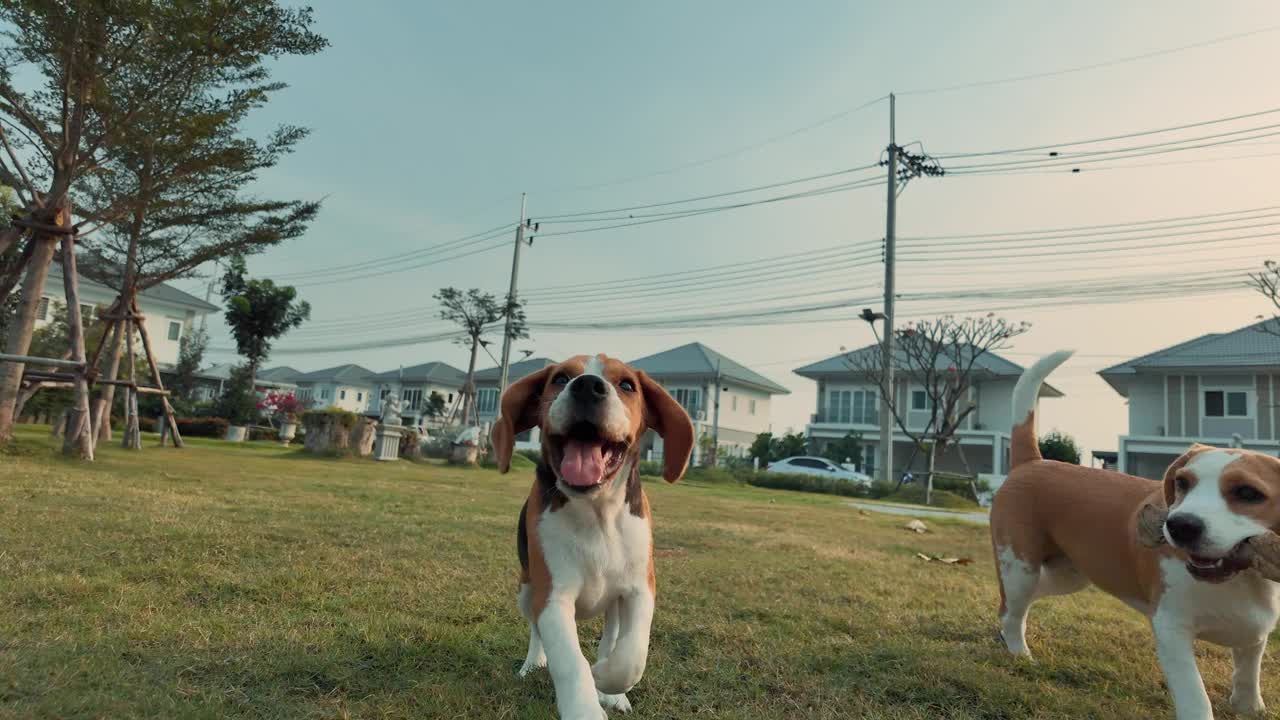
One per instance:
(391,410)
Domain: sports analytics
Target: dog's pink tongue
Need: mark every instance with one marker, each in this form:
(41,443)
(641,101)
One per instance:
(583,463)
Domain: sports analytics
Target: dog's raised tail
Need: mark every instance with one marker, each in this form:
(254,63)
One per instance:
(1024,443)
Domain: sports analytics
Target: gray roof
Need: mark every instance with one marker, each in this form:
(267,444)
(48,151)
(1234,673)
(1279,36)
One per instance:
(222,371)
(340,373)
(696,360)
(432,372)
(1253,346)
(282,373)
(163,292)
(515,371)
(987,364)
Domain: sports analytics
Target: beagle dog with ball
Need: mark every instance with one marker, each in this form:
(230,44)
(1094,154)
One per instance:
(585,534)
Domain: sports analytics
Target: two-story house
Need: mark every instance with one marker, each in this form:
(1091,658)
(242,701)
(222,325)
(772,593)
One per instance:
(346,387)
(211,381)
(170,312)
(848,401)
(691,373)
(1212,389)
(414,386)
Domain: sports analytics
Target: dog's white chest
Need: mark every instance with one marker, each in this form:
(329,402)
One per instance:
(592,558)
(1235,613)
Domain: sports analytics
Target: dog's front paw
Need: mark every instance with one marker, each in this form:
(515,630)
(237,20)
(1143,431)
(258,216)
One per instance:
(1248,705)
(533,664)
(614,702)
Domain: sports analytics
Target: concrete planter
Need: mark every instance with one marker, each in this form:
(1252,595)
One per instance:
(237,433)
(288,430)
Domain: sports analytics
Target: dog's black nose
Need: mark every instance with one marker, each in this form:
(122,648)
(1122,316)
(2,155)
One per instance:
(1185,529)
(589,388)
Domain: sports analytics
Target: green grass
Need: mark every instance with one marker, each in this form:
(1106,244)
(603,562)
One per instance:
(256,582)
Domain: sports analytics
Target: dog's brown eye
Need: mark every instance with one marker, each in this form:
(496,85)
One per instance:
(627,385)
(560,379)
(1183,484)
(1247,494)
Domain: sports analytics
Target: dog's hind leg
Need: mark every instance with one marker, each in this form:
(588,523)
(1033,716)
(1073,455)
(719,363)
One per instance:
(1018,589)
(535,658)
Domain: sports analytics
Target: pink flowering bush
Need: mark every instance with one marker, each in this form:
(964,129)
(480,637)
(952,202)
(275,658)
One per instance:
(283,405)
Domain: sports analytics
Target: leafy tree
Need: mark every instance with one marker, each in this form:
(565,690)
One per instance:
(258,312)
(436,405)
(789,445)
(190,356)
(1061,447)
(940,356)
(846,449)
(762,448)
(238,403)
(137,106)
(477,313)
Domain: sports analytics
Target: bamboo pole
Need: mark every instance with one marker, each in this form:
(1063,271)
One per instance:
(155,377)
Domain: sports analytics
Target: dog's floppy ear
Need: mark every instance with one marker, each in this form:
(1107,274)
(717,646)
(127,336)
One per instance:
(1170,490)
(668,419)
(519,412)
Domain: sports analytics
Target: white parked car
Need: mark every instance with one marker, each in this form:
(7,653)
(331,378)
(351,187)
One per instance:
(808,465)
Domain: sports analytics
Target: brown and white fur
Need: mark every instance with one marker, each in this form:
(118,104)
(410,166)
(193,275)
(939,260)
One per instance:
(585,536)
(1056,528)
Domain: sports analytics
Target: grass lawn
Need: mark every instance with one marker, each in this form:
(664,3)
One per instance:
(257,582)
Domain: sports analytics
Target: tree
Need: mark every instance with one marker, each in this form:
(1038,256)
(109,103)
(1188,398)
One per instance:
(941,359)
(762,448)
(238,403)
(478,313)
(1267,282)
(190,356)
(789,445)
(258,312)
(137,106)
(1061,447)
(846,449)
(436,405)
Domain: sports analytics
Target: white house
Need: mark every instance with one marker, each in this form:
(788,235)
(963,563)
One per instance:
(1209,389)
(346,387)
(212,380)
(690,374)
(170,313)
(848,402)
(415,385)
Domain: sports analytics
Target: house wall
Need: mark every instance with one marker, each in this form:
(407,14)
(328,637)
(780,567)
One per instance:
(449,393)
(158,316)
(741,418)
(326,395)
(1146,406)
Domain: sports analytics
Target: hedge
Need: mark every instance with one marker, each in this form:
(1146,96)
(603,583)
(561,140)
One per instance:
(207,427)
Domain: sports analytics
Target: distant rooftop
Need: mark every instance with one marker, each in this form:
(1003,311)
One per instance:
(987,364)
(515,371)
(1253,346)
(696,360)
(163,292)
(429,372)
(338,373)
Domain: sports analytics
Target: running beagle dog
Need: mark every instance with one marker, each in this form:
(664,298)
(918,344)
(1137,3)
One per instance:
(1056,528)
(585,537)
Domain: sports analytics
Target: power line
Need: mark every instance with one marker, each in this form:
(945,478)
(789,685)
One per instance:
(1016,245)
(724,155)
(1005,233)
(466,239)
(1091,66)
(1087,251)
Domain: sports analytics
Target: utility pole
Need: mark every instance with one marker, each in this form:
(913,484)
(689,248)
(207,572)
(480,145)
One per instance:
(715,421)
(511,299)
(886,360)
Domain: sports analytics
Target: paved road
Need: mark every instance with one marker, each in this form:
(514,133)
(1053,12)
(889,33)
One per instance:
(918,512)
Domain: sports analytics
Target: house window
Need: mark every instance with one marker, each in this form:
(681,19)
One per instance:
(324,393)
(690,399)
(382,394)
(852,406)
(342,394)
(450,398)
(735,403)
(175,330)
(359,397)
(751,406)
(411,398)
(864,408)
(1226,403)
(920,400)
(487,400)
(42,310)
(304,393)
(87,311)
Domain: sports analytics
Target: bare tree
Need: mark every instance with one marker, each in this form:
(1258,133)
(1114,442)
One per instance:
(1267,282)
(477,313)
(942,357)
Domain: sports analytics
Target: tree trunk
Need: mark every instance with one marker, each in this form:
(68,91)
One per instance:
(106,398)
(24,323)
(469,391)
(933,462)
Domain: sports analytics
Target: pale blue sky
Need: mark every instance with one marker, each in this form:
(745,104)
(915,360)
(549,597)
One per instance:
(430,118)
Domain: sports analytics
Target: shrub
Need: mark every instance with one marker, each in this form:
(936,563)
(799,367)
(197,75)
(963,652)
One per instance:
(207,427)
(914,494)
(649,468)
(1061,447)
(809,483)
(346,419)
